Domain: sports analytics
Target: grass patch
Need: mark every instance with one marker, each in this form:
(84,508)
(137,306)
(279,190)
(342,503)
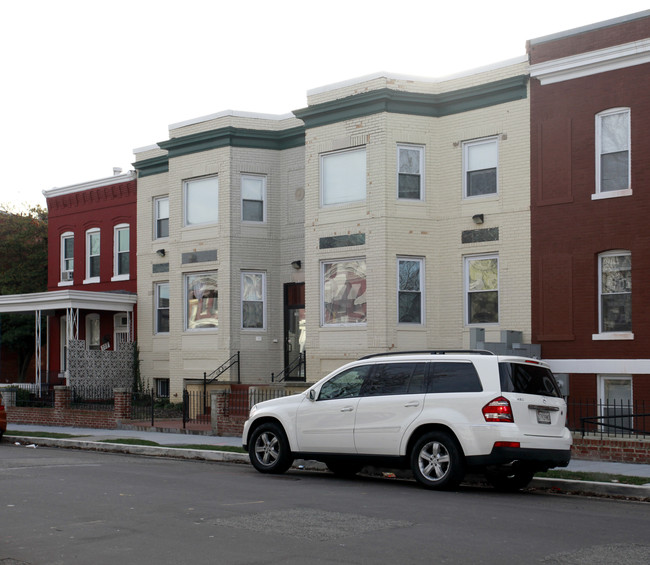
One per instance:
(594,477)
(41,434)
(136,441)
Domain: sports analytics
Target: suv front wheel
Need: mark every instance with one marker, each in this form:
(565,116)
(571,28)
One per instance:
(269,449)
(437,461)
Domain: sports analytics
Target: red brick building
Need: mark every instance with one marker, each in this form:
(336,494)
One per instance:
(590,204)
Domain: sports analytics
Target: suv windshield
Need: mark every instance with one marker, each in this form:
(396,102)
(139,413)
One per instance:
(528,379)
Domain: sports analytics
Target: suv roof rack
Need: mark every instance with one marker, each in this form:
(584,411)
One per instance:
(429,352)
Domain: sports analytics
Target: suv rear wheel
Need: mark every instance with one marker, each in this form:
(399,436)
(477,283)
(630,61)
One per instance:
(437,461)
(269,449)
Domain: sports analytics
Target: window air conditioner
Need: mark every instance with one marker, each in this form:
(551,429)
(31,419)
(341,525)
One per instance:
(66,275)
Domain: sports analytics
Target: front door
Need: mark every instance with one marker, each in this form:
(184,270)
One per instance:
(294,328)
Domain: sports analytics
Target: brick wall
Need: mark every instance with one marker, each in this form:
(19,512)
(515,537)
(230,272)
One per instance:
(620,450)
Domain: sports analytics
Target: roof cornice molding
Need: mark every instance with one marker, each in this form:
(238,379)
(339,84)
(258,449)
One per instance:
(414,103)
(99,183)
(592,62)
(56,299)
(152,166)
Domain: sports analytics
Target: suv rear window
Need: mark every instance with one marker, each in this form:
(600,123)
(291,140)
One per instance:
(528,379)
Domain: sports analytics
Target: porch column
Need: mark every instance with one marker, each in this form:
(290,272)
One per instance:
(37,354)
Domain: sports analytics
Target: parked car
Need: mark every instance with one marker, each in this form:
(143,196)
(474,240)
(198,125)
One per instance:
(3,418)
(439,413)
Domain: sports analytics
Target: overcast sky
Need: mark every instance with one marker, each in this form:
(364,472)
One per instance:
(86,82)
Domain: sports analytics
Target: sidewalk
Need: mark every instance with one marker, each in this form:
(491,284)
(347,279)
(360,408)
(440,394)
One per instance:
(88,438)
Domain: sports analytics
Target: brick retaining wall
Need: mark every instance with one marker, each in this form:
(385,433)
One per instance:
(619,450)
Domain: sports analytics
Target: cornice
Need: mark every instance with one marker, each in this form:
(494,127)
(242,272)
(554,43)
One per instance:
(592,62)
(413,103)
(100,183)
(152,166)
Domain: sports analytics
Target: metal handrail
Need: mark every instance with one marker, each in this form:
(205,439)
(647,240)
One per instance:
(214,375)
(300,361)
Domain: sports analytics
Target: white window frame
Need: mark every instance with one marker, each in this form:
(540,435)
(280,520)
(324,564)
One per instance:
(325,262)
(420,150)
(262,179)
(603,335)
(157,308)
(157,218)
(466,272)
(186,278)
(263,300)
(327,160)
(67,282)
(90,320)
(116,252)
(467,145)
(600,194)
(89,234)
(602,398)
(420,291)
(213,208)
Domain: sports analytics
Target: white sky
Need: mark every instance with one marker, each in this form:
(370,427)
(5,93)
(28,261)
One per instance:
(86,82)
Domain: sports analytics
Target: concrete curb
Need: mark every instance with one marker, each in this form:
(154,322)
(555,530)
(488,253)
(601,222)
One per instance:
(560,485)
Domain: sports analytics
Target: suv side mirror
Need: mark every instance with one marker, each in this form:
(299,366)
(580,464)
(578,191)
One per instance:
(312,395)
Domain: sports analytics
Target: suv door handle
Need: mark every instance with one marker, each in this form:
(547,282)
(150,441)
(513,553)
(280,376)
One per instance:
(412,404)
(347,409)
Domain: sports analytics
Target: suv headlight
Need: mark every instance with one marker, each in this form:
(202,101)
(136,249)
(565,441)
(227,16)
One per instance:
(253,410)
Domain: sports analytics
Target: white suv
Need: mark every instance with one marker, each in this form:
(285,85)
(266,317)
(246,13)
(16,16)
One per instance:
(441,413)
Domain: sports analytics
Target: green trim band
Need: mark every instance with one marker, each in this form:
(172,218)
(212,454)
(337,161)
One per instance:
(153,166)
(413,103)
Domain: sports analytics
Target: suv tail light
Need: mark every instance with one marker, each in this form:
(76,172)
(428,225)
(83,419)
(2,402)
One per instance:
(499,410)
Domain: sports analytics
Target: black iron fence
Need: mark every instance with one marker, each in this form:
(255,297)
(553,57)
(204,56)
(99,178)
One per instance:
(626,419)
(92,397)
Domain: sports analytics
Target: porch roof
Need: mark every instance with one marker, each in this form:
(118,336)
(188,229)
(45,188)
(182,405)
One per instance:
(58,299)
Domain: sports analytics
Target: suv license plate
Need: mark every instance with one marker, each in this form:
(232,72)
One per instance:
(543,417)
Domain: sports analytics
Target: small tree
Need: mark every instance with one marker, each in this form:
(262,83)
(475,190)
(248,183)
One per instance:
(23,270)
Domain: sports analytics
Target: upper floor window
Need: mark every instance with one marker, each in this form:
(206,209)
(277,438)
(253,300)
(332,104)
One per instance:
(161,322)
(410,172)
(344,292)
(482,289)
(253,293)
(161,217)
(92,255)
(201,305)
(613,152)
(253,198)
(201,199)
(409,294)
(343,177)
(67,257)
(480,160)
(122,254)
(615,290)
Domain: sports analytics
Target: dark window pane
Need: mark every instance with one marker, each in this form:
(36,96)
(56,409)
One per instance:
(162,228)
(454,377)
(483,307)
(410,308)
(94,267)
(253,314)
(123,264)
(409,186)
(614,171)
(617,312)
(481,182)
(389,379)
(344,385)
(163,321)
(253,211)
(527,379)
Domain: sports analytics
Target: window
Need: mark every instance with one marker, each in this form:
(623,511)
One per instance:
(409,291)
(92,331)
(253,197)
(453,377)
(162,308)
(201,311)
(162,388)
(410,172)
(528,379)
(253,292)
(92,255)
(121,241)
(482,287)
(613,151)
(201,201)
(344,292)
(346,384)
(121,330)
(615,290)
(616,403)
(343,177)
(67,257)
(161,217)
(480,160)
(395,378)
